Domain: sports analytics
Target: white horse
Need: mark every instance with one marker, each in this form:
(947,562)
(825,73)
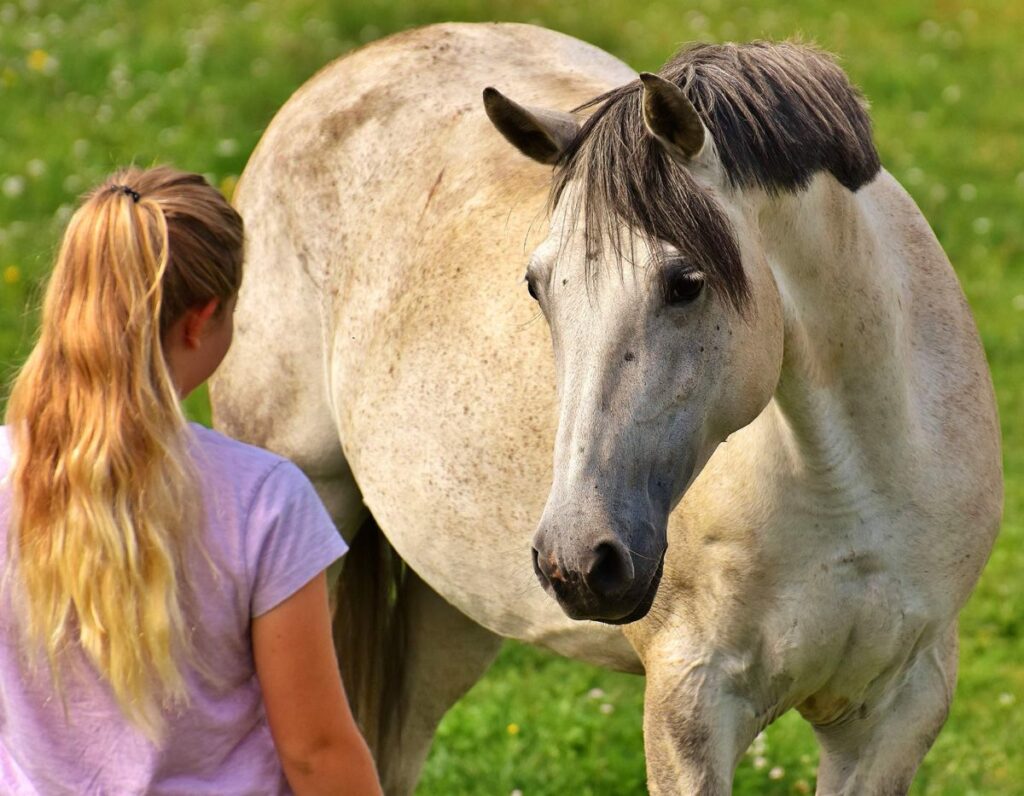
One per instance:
(764,456)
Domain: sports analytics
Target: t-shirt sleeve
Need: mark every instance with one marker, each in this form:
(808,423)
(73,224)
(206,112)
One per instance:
(289,538)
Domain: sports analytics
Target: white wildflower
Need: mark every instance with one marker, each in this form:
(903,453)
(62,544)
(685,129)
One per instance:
(13,186)
(929,29)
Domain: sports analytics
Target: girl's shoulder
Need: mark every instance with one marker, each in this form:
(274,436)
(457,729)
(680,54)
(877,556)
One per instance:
(264,516)
(217,452)
(228,466)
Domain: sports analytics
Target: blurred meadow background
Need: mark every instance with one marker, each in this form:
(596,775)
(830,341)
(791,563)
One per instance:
(88,86)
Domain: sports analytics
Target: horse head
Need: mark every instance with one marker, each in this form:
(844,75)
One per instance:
(666,325)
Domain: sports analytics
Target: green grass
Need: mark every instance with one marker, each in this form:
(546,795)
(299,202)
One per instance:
(85,87)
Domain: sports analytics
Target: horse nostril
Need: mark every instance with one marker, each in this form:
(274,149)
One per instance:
(608,573)
(548,570)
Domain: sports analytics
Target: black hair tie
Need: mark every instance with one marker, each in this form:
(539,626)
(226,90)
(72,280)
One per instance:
(128,191)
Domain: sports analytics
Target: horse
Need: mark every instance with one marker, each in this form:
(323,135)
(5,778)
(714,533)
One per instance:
(734,430)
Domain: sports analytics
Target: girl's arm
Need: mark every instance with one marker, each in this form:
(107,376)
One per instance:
(320,746)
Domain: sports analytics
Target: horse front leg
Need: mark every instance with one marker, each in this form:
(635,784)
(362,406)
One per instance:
(877,750)
(695,728)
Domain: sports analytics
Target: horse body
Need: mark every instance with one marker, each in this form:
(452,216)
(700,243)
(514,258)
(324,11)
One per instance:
(400,301)
(822,518)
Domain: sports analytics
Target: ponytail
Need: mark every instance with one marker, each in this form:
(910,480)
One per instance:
(105,498)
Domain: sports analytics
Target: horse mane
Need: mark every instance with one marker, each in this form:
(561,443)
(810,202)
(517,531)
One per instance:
(778,113)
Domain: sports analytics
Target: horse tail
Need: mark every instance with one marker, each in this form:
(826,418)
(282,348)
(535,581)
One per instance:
(370,635)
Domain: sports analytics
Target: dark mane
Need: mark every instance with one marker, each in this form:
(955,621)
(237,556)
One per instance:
(778,113)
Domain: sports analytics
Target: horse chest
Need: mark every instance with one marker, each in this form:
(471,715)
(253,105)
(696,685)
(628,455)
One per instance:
(844,615)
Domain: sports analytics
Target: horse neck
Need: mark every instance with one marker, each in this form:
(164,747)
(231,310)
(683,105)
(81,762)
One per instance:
(844,393)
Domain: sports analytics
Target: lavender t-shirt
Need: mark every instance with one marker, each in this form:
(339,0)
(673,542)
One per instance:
(267,535)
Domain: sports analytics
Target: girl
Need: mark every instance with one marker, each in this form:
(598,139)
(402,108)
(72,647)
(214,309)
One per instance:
(164,621)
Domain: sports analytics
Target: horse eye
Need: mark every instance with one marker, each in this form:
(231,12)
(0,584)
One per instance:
(682,287)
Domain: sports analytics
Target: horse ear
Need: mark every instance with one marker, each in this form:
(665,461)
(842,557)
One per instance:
(671,118)
(538,133)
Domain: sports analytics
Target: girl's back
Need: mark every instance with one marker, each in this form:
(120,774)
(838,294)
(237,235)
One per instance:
(253,503)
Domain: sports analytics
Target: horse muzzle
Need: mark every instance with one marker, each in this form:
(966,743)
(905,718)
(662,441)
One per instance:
(599,576)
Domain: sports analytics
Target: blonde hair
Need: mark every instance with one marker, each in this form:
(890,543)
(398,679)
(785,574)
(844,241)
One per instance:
(104,494)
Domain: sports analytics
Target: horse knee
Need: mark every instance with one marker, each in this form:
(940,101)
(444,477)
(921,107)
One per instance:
(694,736)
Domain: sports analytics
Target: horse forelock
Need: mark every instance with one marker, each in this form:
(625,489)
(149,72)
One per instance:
(778,114)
